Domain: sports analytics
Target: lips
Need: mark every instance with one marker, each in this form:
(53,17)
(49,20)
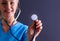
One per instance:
(8,11)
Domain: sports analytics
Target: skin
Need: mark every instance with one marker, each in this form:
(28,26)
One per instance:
(39,28)
(8,9)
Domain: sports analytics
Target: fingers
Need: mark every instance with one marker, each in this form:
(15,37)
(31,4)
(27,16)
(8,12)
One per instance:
(38,24)
(38,30)
(38,27)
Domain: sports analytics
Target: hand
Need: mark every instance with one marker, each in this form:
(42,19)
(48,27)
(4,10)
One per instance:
(31,29)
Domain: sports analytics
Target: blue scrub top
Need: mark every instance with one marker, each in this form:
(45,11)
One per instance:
(18,32)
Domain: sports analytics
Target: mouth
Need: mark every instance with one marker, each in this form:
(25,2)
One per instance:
(8,11)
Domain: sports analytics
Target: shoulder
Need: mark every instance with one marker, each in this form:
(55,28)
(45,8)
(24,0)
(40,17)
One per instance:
(23,32)
(20,26)
(23,26)
(19,29)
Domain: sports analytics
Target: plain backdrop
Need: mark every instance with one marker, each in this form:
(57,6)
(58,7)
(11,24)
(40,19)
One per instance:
(48,11)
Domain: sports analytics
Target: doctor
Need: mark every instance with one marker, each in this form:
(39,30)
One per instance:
(11,30)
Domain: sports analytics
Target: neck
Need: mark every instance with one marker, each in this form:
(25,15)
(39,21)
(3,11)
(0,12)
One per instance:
(5,26)
(10,21)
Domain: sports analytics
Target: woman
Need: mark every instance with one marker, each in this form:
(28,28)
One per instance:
(11,29)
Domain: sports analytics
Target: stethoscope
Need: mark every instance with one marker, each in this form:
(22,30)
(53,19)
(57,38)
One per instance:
(19,11)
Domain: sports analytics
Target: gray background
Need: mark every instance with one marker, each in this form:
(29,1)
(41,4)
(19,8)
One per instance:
(48,11)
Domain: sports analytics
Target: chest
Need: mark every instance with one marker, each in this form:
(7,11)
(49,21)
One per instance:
(6,37)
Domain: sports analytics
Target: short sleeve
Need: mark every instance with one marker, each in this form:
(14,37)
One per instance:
(25,36)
